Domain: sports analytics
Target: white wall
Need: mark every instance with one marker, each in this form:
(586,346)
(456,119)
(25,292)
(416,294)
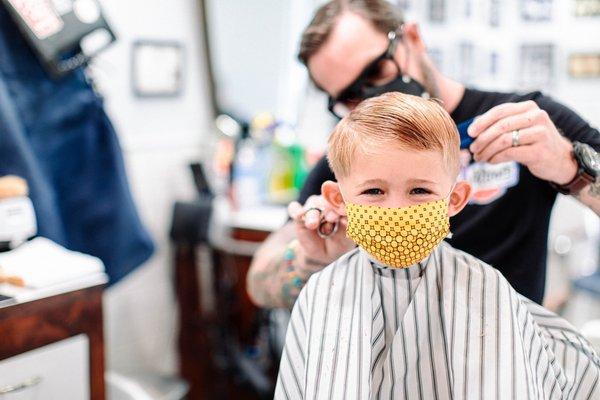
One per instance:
(159,137)
(253,46)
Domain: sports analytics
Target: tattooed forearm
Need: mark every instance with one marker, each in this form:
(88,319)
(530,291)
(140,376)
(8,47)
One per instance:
(261,283)
(590,196)
(268,281)
(279,285)
(594,190)
(289,294)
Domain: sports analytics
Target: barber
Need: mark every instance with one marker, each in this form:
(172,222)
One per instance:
(526,149)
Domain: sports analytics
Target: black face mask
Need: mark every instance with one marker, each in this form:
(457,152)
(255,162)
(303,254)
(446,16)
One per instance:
(362,88)
(360,91)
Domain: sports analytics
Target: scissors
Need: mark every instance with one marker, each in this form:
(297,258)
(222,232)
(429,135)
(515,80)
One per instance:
(325,228)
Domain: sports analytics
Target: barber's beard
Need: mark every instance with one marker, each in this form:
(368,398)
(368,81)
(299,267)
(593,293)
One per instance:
(429,78)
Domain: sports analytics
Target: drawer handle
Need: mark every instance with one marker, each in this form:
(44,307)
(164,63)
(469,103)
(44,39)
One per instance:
(21,386)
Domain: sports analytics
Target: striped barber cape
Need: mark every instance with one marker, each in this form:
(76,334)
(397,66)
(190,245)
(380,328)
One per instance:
(450,327)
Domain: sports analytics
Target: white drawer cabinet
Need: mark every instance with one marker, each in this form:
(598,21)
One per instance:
(59,371)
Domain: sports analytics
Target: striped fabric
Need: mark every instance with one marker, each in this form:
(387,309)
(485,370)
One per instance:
(450,327)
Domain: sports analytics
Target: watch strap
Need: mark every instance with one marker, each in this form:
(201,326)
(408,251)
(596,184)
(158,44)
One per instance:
(577,184)
(583,178)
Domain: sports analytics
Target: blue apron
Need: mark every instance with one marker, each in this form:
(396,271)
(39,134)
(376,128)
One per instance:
(56,135)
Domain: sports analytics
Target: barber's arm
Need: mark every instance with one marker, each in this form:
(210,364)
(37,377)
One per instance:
(285,261)
(590,196)
(524,133)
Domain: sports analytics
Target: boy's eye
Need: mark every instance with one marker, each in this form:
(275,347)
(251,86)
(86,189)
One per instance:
(420,191)
(372,192)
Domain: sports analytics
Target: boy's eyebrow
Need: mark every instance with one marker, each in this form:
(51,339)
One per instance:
(381,181)
(372,182)
(418,180)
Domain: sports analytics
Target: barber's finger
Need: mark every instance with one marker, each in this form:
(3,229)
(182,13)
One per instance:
(496,113)
(504,141)
(312,218)
(295,210)
(315,202)
(521,154)
(313,208)
(502,126)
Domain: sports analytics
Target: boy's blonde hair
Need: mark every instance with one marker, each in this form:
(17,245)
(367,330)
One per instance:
(394,118)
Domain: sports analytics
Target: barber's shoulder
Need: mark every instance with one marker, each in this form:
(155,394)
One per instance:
(555,109)
(497,98)
(570,123)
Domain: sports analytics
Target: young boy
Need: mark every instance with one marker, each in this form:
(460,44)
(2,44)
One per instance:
(406,316)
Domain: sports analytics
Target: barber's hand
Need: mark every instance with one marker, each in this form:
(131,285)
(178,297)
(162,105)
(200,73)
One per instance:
(318,251)
(540,147)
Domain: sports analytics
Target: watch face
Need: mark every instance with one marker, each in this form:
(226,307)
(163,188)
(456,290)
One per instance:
(588,158)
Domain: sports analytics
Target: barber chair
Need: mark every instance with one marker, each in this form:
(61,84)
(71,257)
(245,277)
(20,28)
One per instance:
(225,346)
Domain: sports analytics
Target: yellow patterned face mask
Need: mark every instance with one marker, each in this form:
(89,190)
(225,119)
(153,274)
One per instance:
(399,237)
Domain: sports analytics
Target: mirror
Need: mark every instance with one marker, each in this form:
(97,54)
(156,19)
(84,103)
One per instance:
(252,49)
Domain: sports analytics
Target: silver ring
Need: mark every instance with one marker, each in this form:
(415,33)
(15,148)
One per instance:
(311,209)
(515,138)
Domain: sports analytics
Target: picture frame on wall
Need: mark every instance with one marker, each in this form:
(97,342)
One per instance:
(157,68)
(403,4)
(584,65)
(537,65)
(536,10)
(587,8)
(467,8)
(466,51)
(437,11)
(494,66)
(495,11)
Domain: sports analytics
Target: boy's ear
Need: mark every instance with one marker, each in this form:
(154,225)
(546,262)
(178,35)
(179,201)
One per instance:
(459,197)
(332,194)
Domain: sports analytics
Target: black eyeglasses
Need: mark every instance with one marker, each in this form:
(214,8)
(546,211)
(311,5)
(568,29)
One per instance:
(354,93)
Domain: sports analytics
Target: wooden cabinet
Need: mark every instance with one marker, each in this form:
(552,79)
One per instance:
(54,340)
